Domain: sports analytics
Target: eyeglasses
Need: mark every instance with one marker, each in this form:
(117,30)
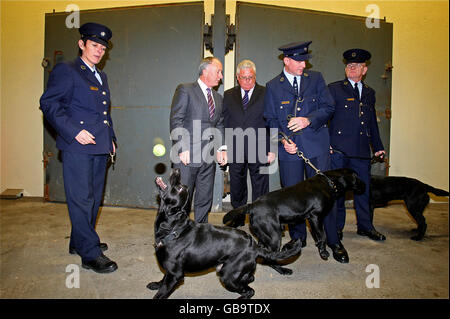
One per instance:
(246,78)
(354,66)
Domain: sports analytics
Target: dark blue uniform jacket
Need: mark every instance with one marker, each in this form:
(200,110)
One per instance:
(75,100)
(353,127)
(316,104)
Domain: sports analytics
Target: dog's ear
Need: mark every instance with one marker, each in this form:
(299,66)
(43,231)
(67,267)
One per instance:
(175,177)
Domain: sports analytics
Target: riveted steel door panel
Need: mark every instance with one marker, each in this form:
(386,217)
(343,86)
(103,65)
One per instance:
(261,29)
(154,48)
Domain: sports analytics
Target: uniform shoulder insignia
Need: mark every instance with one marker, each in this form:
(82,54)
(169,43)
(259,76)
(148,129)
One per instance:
(306,74)
(366,86)
(82,67)
(345,82)
(282,79)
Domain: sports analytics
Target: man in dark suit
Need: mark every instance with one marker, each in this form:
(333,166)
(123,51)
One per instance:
(243,112)
(197,131)
(299,104)
(353,129)
(76,103)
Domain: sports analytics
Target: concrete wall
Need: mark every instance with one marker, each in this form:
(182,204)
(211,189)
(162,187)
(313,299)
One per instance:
(420,99)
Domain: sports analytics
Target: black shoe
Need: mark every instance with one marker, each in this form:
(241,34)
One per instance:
(303,242)
(103,247)
(339,253)
(372,234)
(101,264)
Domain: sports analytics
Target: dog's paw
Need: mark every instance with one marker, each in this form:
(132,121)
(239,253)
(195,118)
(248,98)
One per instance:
(324,254)
(154,285)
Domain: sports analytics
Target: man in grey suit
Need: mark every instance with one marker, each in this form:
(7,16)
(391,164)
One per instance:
(197,132)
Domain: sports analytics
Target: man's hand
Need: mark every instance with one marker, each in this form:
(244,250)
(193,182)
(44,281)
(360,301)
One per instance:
(298,123)
(222,158)
(270,157)
(184,157)
(380,154)
(84,138)
(291,147)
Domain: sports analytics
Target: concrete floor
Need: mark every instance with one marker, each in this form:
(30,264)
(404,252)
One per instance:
(34,258)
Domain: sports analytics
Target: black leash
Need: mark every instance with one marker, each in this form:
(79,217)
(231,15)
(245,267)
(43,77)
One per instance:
(373,159)
(307,161)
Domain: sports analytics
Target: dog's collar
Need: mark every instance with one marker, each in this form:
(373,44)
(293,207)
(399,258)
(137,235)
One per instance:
(163,242)
(332,184)
(169,237)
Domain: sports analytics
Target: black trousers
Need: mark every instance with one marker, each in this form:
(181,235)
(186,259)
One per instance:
(84,182)
(238,182)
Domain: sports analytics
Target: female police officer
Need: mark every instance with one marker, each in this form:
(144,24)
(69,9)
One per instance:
(76,103)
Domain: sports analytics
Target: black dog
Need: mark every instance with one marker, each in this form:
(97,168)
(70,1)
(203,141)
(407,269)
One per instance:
(412,191)
(311,199)
(184,245)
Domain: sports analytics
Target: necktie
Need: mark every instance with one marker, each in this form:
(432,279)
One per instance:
(245,99)
(356,91)
(98,76)
(210,103)
(295,85)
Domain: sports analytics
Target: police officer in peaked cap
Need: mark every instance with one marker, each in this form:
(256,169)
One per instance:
(354,134)
(77,104)
(297,102)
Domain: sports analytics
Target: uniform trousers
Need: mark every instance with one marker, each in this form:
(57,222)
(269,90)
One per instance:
(293,172)
(362,167)
(84,183)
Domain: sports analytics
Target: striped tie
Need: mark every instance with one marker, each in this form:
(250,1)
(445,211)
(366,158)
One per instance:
(245,99)
(210,103)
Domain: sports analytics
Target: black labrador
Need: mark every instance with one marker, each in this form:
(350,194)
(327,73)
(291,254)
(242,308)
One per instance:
(183,245)
(412,191)
(311,199)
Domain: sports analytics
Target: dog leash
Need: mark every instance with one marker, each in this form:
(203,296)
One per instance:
(307,161)
(373,159)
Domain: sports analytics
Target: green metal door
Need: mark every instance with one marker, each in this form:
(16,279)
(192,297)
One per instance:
(154,48)
(261,29)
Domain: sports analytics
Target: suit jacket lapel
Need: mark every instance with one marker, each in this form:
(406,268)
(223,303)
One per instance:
(284,82)
(348,88)
(205,107)
(256,93)
(201,97)
(102,76)
(217,106)
(86,72)
(304,83)
(364,91)
(237,96)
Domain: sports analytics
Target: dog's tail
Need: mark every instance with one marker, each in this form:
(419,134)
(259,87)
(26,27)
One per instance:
(236,217)
(436,191)
(285,253)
